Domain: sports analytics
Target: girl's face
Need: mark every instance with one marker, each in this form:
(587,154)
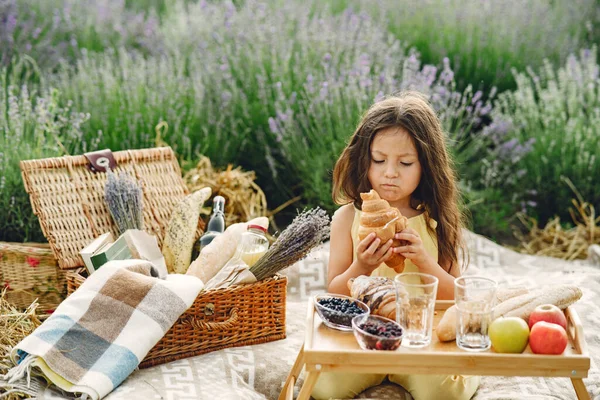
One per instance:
(394,171)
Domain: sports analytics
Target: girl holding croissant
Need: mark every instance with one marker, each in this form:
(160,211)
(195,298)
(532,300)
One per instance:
(396,174)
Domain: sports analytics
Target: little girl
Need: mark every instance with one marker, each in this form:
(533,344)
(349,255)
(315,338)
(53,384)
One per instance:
(399,150)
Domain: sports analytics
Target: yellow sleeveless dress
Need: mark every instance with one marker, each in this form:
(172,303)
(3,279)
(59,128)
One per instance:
(340,385)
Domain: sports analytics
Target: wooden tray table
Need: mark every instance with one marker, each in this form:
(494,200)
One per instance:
(326,350)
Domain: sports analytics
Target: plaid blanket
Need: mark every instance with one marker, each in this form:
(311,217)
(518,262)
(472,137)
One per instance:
(100,334)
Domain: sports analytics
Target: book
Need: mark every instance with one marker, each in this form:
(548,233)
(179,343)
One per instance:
(132,244)
(95,246)
(118,250)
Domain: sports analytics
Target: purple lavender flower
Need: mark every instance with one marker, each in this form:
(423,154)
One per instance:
(447,75)
(273,125)
(124,199)
(226,97)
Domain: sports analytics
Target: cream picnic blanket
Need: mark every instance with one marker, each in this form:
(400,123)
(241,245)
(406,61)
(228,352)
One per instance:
(99,335)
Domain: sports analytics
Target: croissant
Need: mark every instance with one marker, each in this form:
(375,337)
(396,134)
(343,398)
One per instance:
(379,217)
(377,292)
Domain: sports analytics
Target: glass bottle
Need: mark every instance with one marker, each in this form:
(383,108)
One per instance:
(253,245)
(215,226)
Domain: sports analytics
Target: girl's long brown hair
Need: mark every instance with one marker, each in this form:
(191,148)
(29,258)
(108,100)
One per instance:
(437,191)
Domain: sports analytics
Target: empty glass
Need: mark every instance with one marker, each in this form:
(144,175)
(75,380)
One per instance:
(415,304)
(475,297)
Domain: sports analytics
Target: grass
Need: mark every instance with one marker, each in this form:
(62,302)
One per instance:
(278,87)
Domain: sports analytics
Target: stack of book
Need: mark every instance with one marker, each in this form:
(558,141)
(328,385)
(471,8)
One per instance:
(132,244)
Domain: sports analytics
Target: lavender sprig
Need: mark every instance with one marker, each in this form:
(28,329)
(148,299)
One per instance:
(123,197)
(306,231)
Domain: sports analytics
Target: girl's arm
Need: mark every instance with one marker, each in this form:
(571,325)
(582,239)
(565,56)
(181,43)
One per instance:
(446,281)
(415,252)
(341,253)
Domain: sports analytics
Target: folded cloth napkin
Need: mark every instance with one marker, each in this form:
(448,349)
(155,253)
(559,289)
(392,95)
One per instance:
(100,334)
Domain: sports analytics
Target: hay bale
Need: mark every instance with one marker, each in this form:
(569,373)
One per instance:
(555,241)
(244,199)
(14,326)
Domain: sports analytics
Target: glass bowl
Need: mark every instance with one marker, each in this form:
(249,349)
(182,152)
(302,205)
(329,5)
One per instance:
(337,310)
(374,332)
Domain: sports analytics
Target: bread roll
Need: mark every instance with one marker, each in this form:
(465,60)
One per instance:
(377,292)
(179,239)
(379,217)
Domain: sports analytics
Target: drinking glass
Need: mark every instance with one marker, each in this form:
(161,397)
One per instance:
(415,303)
(474,297)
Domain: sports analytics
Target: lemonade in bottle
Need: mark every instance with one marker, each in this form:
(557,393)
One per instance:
(254,244)
(251,258)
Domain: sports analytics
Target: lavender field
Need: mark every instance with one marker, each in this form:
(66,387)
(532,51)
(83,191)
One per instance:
(277,86)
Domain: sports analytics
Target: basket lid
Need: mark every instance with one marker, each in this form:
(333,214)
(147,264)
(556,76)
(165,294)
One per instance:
(68,198)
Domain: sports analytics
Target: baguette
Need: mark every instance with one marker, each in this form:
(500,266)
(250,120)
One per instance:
(522,306)
(446,329)
(215,255)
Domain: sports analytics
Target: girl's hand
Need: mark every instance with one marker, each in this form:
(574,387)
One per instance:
(413,248)
(370,255)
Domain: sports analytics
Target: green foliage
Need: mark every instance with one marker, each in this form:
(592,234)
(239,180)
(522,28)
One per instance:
(279,86)
(32,126)
(484,40)
(55,31)
(557,110)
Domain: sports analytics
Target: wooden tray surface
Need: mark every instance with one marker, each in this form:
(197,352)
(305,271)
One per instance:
(333,350)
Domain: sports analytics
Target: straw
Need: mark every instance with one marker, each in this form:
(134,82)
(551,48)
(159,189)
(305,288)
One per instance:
(244,199)
(14,327)
(553,240)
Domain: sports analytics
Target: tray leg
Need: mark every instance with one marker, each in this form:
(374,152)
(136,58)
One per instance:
(290,382)
(309,384)
(580,389)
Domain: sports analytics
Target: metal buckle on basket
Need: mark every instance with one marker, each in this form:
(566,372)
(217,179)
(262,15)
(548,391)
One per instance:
(101,160)
(209,309)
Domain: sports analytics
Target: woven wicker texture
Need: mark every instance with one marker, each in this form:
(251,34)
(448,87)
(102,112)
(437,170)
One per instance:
(237,316)
(69,199)
(29,271)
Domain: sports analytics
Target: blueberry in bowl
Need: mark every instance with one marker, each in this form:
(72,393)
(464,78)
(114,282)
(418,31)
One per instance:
(337,310)
(374,332)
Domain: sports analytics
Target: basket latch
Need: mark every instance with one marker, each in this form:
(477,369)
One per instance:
(100,160)
(209,309)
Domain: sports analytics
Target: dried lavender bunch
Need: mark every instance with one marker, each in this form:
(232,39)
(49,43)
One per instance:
(123,197)
(306,231)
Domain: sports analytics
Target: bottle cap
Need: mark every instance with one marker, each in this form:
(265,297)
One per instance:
(252,226)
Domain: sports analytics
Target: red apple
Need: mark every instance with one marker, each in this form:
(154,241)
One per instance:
(548,313)
(548,338)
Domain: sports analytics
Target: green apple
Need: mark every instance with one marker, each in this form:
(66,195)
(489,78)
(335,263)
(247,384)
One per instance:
(509,335)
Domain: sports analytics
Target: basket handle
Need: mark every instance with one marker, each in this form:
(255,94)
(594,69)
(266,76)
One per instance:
(215,326)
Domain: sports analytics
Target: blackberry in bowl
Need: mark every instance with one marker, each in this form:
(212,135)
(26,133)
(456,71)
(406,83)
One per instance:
(374,332)
(337,310)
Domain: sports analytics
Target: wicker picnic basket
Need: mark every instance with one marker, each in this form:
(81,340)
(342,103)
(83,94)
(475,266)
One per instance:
(29,271)
(67,195)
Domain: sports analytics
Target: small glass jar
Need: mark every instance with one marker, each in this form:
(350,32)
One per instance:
(253,245)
